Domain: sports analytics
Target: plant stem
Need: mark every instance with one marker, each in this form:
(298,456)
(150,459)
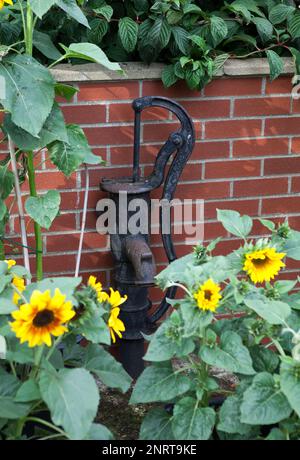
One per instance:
(20,204)
(29,29)
(48,424)
(86,195)
(37,228)
(2,251)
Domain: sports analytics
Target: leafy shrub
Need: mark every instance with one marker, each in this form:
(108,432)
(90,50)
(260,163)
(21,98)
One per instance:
(194,37)
(256,340)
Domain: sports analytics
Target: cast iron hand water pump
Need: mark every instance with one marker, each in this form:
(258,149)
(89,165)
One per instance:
(134,262)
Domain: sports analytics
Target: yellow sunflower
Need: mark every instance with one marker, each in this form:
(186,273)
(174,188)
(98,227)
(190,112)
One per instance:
(115,299)
(97,287)
(42,317)
(18,282)
(2,3)
(115,324)
(263,264)
(207,296)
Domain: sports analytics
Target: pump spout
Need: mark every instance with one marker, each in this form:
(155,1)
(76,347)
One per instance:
(140,255)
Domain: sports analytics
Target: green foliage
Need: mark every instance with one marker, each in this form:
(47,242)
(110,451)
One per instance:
(161,31)
(259,349)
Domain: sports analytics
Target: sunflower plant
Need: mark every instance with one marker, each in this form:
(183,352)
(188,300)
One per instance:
(53,339)
(225,363)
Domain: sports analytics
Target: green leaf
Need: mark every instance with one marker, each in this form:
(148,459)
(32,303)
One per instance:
(73,10)
(234,223)
(163,347)
(99,28)
(6,182)
(264,28)
(273,311)
(40,7)
(65,91)
(229,417)
(128,33)
(9,409)
(279,13)
(181,37)
(191,422)
(194,319)
(168,76)
(230,355)
(69,156)
(28,391)
(106,11)
(159,383)
(284,286)
(95,329)
(268,224)
(219,62)
(43,209)
(29,94)
(292,246)
(66,284)
(294,25)
(156,426)
(264,359)
(72,397)
(3,347)
(263,402)
(290,382)
(103,364)
(99,432)
(90,52)
(218,29)
(19,353)
(276,435)
(275,63)
(44,44)
(53,129)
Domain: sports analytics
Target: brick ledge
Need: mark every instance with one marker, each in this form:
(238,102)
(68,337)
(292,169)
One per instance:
(140,71)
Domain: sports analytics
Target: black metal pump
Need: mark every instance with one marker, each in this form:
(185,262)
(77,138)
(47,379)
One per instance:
(134,262)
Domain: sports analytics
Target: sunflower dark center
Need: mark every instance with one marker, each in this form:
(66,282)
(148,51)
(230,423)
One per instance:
(207,294)
(43,318)
(260,262)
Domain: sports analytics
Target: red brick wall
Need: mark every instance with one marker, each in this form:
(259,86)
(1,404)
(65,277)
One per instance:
(247,158)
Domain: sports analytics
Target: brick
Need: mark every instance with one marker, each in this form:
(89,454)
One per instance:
(283,206)
(204,190)
(58,263)
(179,90)
(282,85)
(216,108)
(227,246)
(96,259)
(249,207)
(110,135)
(232,129)
(108,91)
(286,165)
(282,126)
(120,156)
(54,180)
(234,168)
(295,185)
(260,187)
(124,112)
(84,114)
(261,147)
(234,87)
(158,132)
(69,242)
(192,171)
(295,145)
(262,106)
(212,149)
